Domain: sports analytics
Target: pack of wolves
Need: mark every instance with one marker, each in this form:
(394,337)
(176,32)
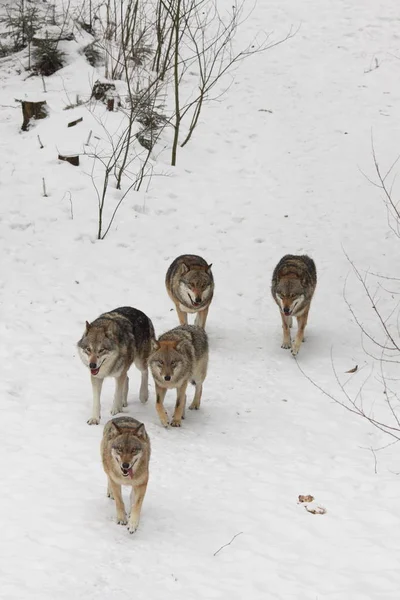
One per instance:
(115,340)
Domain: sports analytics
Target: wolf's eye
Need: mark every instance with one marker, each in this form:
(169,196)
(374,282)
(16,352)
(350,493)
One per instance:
(173,363)
(160,363)
(88,349)
(101,350)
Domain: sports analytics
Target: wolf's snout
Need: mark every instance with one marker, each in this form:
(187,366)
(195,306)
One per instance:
(197,299)
(92,365)
(286,311)
(125,465)
(167,377)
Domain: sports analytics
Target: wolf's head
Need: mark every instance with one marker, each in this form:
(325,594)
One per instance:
(96,348)
(166,361)
(127,448)
(195,284)
(290,295)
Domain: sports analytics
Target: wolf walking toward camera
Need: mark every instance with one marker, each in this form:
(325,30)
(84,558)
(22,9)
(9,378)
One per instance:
(293,284)
(190,285)
(109,346)
(125,453)
(179,356)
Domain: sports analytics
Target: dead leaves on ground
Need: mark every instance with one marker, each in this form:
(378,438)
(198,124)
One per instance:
(353,370)
(311,506)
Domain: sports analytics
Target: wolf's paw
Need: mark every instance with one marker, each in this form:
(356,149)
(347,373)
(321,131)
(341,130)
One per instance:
(286,345)
(125,404)
(175,423)
(295,351)
(144,397)
(122,520)
(110,495)
(194,406)
(115,411)
(93,421)
(132,526)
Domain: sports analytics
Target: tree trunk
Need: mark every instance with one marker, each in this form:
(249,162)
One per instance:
(32,110)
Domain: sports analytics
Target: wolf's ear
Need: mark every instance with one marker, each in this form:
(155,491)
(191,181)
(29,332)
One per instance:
(141,432)
(87,326)
(209,268)
(115,428)
(184,268)
(155,345)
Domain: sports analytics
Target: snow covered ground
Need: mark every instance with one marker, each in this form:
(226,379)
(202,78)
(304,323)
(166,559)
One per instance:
(275,167)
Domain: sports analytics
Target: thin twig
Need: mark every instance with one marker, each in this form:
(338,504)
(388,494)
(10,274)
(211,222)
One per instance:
(228,544)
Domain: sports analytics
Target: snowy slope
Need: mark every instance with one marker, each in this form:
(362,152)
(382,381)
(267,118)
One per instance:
(251,186)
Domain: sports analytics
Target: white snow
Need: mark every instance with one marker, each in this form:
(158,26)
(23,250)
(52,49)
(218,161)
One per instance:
(275,167)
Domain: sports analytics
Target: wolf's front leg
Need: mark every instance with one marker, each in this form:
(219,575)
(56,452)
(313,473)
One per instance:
(286,342)
(137,497)
(97,384)
(109,490)
(125,393)
(201,318)
(179,406)
(115,489)
(162,413)
(120,387)
(182,316)
(301,326)
(144,386)
(195,405)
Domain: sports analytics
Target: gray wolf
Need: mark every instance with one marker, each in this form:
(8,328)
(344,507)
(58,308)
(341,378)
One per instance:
(293,284)
(125,453)
(190,285)
(179,356)
(109,346)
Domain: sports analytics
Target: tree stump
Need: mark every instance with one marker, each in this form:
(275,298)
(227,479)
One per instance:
(33,110)
(72,160)
(103,90)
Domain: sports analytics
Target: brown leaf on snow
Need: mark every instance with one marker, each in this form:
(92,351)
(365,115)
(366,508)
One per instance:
(353,370)
(308,498)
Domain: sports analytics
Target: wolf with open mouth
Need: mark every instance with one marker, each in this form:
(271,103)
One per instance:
(125,453)
(109,346)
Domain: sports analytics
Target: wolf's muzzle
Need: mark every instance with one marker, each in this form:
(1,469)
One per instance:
(196,301)
(94,369)
(286,311)
(126,470)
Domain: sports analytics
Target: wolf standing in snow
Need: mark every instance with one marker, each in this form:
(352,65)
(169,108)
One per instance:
(125,453)
(293,284)
(190,285)
(109,346)
(179,356)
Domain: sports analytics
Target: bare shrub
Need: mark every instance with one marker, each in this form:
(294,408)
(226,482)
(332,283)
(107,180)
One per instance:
(376,399)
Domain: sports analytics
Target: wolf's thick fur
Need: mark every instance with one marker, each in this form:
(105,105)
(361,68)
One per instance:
(109,346)
(179,356)
(293,284)
(125,453)
(190,285)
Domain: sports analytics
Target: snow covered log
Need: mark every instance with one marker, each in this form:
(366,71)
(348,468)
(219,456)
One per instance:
(73,160)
